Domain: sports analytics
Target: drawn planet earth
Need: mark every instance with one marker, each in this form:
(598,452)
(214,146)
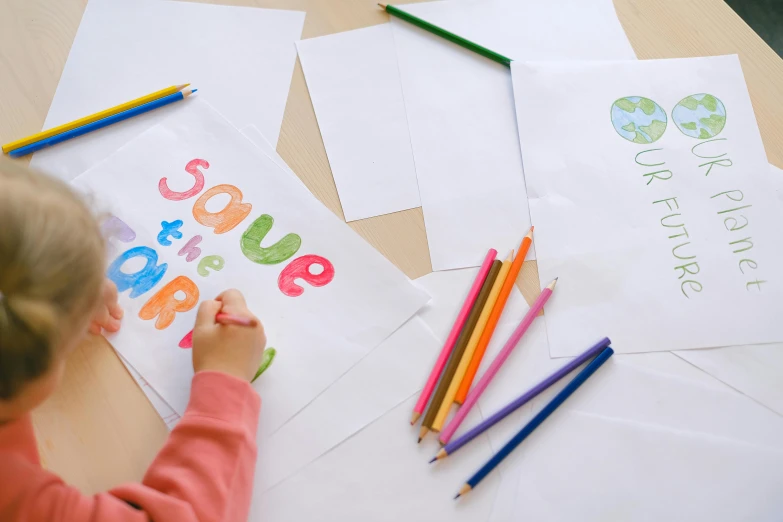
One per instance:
(700,116)
(638,119)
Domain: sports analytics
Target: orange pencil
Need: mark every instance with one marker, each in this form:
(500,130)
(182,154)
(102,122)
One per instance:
(494,317)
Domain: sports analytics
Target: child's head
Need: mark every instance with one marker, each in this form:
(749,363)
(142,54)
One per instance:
(51,273)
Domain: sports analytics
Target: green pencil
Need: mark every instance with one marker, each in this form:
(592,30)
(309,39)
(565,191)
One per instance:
(434,29)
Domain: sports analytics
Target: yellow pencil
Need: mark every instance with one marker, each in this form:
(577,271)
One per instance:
(8,147)
(451,393)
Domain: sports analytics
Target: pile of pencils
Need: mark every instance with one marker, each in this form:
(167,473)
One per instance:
(451,379)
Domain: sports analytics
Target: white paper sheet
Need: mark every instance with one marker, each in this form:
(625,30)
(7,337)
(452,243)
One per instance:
(166,412)
(319,334)
(376,385)
(669,245)
(381,474)
(461,114)
(354,83)
(252,133)
(753,370)
(241,58)
(650,438)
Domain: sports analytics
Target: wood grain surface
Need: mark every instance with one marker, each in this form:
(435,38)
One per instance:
(98,430)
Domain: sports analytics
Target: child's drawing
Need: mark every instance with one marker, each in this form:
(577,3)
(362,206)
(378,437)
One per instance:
(700,116)
(638,119)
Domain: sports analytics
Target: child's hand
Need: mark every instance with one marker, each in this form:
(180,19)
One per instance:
(235,350)
(109,313)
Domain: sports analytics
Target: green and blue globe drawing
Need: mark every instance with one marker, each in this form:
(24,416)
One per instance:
(638,119)
(700,116)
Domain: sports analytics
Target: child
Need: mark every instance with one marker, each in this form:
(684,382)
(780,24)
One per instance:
(52,292)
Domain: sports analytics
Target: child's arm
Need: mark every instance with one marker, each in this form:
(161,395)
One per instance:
(205,470)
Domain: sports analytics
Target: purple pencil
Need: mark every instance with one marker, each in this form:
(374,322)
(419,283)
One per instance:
(517,403)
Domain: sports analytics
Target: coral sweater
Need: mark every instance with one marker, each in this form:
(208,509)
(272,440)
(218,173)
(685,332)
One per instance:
(203,473)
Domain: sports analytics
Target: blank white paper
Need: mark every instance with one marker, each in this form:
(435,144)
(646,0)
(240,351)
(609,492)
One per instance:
(381,474)
(664,229)
(648,438)
(753,370)
(240,58)
(460,109)
(378,383)
(354,83)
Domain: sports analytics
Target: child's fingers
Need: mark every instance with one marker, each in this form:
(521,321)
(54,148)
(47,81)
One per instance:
(116,311)
(231,296)
(207,311)
(233,302)
(112,325)
(94,329)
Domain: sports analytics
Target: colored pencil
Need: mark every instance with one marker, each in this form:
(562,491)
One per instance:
(494,368)
(266,361)
(559,399)
(451,340)
(439,31)
(84,129)
(234,320)
(8,147)
(492,323)
(451,392)
(459,349)
(520,401)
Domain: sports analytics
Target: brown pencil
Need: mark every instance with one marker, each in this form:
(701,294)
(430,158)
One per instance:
(459,350)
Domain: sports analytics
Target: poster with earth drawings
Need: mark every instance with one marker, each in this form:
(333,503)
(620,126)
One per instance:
(653,203)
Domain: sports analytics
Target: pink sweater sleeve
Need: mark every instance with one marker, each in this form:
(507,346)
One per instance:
(203,473)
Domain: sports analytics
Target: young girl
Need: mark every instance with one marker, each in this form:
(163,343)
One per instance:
(52,293)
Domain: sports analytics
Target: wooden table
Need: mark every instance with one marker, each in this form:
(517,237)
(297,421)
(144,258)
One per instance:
(99,430)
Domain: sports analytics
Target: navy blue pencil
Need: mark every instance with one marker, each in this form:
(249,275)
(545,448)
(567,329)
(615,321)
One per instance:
(523,399)
(559,399)
(105,122)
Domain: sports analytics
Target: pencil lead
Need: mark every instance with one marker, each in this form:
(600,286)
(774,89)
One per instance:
(383,6)
(456,496)
(419,441)
(433,459)
(530,233)
(194,90)
(182,86)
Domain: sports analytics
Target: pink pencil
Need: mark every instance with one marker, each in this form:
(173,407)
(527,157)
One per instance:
(234,319)
(493,369)
(448,346)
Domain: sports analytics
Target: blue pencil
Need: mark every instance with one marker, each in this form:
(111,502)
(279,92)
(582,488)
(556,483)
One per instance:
(517,403)
(84,129)
(559,399)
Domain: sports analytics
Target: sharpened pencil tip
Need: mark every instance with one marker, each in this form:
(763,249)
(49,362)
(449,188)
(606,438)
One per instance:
(194,90)
(456,496)
(433,459)
(383,6)
(419,441)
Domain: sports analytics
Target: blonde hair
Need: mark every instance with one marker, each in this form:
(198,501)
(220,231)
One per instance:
(51,271)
